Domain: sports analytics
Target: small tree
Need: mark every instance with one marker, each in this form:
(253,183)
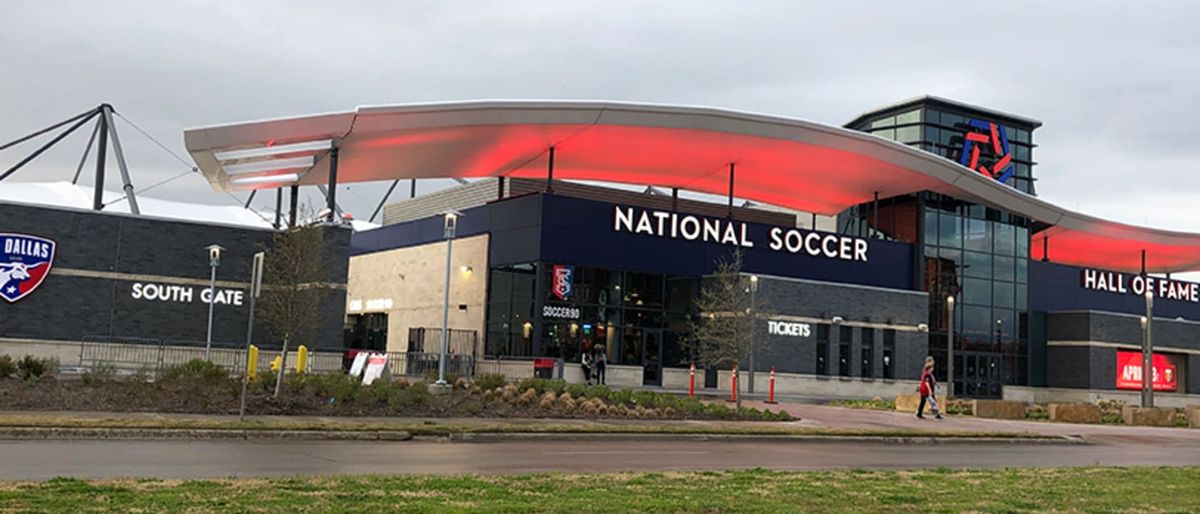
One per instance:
(720,334)
(293,273)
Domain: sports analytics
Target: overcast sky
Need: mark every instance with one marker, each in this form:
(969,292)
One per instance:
(1117,84)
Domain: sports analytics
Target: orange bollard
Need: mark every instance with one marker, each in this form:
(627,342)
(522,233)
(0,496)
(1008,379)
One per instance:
(733,386)
(771,393)
(692,381)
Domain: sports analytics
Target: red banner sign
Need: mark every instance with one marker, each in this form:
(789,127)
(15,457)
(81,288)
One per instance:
(1129,372)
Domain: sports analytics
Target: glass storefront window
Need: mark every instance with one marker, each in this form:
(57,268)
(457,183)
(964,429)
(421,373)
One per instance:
(932,116)
(949,231)
(977,236)
(1005,240)
(886,133)
(1003,294)
(1004,268)
(1022,299)
(1022,242)
(977,264)
(908,134)
(643,290)
(1022,270)
(883,122)
(931,226)
(977,291)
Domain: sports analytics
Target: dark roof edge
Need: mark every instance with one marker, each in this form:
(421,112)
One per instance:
(955,103)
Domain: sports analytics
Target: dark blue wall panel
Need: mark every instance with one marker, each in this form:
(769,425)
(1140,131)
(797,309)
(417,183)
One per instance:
(1058,287)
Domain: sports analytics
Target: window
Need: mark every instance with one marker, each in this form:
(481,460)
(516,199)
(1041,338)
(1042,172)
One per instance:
(949,230)
(886,133)
(908,134)
(889,353)
(932,116)
(908,117)
(822,349)
(867,369)
(844,351)
(883,122)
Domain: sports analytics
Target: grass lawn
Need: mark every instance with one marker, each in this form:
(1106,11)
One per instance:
(1091,489)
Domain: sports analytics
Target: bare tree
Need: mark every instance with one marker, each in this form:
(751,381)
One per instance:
(293,275)
(721,334)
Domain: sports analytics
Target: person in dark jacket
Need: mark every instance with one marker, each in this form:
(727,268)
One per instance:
(928,391)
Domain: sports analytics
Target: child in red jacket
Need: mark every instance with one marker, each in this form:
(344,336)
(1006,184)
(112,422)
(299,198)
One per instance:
(928,390)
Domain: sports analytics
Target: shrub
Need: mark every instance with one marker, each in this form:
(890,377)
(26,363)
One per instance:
(7,366)
(31,368)
(489,381)
(195,369)
(340,387)
(541,385)
(414,394)
(101,372)
(431,376)
(379,392)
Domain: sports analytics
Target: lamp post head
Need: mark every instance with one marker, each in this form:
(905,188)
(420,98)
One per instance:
(450,220)
(837,319)
(1143,322)
(1149,293)
(950,299)
(214,254)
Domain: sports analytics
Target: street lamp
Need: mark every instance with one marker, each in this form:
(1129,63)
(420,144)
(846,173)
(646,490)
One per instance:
(1148,350)
(214,261)
(950,346)
(451,225)
(753,327)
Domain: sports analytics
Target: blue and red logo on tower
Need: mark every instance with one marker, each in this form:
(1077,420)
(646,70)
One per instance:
(985,136)
(25,261)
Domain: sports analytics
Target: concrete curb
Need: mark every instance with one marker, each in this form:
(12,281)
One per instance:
(81,433)
(485,437)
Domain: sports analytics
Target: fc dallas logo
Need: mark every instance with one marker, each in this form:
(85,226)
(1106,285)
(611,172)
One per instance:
(563,284)
(25,261)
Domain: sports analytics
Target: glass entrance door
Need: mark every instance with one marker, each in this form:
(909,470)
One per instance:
(981,375)
(652,357)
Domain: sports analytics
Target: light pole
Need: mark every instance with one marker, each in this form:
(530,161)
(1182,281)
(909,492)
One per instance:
(1148,350)
(950,346)
(451,225)
(753,326)
(256,268)
(214,260)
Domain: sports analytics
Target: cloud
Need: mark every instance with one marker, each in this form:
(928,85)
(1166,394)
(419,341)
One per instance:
(1115,83)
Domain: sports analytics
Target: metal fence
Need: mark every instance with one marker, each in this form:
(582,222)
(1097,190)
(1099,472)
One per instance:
(132,354)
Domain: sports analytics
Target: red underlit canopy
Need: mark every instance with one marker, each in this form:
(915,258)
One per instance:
(785,162)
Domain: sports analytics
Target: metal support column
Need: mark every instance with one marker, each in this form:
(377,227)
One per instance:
(1046,249)
(126,183)
(674,199)
(332,196)
(500,188)
(278,207)
(550,172)
(384,200)
(292,207)
(875,213)
(43,148)
(730,212)
(412,193)
(87,150)
(101,162)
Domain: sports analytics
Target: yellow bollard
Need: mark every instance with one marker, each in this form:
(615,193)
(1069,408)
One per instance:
(278,361)
(252,363)
(302,359)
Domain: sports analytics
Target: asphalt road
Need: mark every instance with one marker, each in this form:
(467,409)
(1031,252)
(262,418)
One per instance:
(215,459)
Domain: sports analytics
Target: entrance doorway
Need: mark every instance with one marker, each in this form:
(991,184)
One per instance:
(982,375)
(652,343)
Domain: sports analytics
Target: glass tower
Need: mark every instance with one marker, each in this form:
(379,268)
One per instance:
(973,252)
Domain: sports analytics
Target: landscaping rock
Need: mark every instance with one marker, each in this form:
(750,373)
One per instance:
(1193,416)
(910,402)
(1075,412)
(1148,416)
(998,409)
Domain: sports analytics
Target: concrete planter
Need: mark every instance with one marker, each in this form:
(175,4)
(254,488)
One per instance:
(1075,413)
(1193,416)
(998,409)
(1148,416)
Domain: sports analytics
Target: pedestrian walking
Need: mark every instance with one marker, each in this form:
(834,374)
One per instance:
(928,391)
(585,362)
(600,361)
